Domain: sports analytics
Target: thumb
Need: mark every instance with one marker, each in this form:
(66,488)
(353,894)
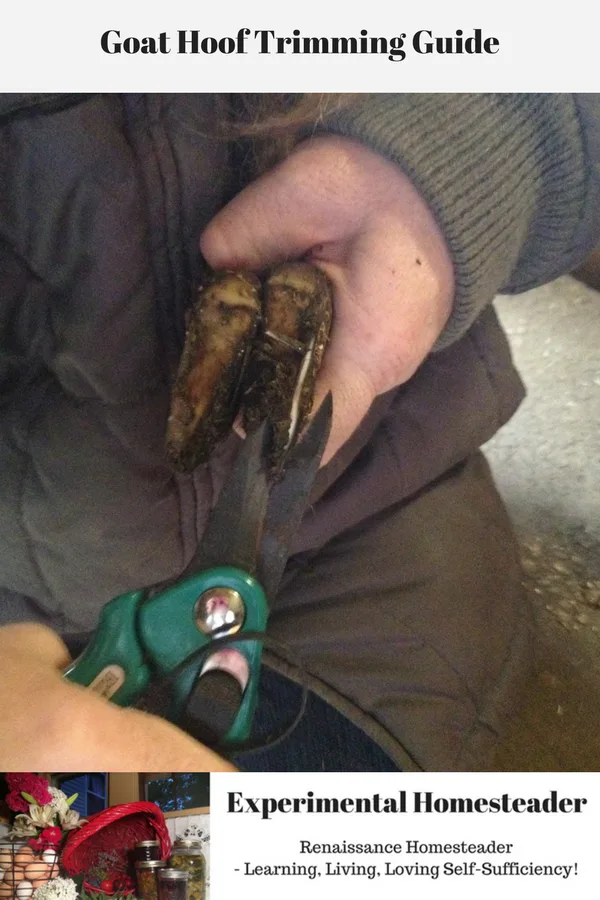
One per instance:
(256,229)
(37,641)
(317,195)
(50,724)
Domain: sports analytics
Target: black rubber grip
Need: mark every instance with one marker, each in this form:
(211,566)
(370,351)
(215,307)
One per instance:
(212,706)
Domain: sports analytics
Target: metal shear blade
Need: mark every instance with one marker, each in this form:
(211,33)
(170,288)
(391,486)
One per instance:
(256,517)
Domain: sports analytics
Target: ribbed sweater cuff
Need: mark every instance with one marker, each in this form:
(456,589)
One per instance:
(503,174)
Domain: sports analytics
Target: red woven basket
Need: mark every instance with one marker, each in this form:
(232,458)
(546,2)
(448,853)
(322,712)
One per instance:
(112,834)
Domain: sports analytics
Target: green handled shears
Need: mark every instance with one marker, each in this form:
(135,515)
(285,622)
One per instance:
(190,650)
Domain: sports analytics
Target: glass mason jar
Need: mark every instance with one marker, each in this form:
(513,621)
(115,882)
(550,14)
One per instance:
(188,856)
(146,872)
(145,851)
(173,884)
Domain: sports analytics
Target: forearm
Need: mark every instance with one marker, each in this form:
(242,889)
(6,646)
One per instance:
(512,179)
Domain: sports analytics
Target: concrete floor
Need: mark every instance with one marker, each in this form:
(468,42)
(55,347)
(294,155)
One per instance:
(547,465)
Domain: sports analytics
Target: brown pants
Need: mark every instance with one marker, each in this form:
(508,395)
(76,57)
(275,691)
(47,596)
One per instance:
(415,625)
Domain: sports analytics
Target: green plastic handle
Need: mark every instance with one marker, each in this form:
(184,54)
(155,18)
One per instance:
(134,631)
(113,664)
(168,630)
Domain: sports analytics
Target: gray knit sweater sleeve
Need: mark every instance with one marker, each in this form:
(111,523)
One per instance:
(512,179)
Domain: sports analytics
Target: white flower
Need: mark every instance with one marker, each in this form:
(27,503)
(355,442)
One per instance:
(42,816)
(22,827)
(59,801)
(68,818)
(71,820)
(57,889)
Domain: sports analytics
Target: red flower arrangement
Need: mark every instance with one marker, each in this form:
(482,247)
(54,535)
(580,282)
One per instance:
(43,813)
(21,783)
(49,837)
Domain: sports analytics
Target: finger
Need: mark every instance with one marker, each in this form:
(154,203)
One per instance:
(352,394)
(378,337)
(253,231)
(30,639)
(306,200)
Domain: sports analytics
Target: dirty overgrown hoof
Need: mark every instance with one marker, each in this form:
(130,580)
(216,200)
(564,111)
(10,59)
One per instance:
(249,347)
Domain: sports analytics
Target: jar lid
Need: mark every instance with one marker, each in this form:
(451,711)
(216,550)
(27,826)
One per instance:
(173,875)
(188,847)
(148,844)
(150,864)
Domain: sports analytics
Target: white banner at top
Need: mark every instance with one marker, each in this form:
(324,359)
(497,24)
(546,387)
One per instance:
(309,46)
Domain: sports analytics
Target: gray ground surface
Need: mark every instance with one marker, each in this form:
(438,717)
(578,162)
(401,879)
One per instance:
(547,465)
